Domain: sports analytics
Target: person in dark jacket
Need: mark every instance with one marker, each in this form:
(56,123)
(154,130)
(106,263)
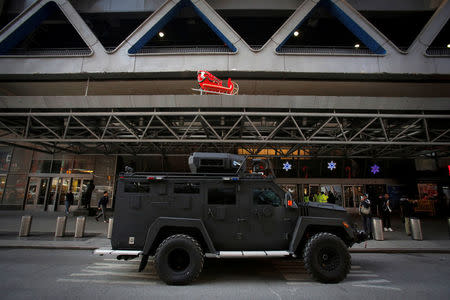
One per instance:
(69,201)
(386,213)
(366,214)
(102,207)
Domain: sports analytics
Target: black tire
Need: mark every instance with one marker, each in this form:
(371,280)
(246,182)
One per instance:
(326,258)
(179,260)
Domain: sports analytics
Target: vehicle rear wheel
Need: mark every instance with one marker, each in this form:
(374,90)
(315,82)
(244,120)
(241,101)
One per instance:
(326,258)
(179,259)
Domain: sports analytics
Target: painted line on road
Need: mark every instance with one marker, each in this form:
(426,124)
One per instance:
(355,267)
(377,287)
(117,271)
(370,281)
(311,283)
(360,272)
(123,261)
(115,282)
(152,276)
(362,275)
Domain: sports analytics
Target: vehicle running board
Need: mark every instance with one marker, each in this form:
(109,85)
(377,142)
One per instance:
(102,252)
(238,254)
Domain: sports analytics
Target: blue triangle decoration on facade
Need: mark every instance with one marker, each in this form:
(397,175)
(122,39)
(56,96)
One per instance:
(28,27)
(169,16)
(348,22)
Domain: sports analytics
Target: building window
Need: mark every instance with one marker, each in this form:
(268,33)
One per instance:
(222,196)
(186,188)
(137,187)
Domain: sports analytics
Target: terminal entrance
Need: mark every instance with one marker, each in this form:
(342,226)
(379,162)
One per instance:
(49,193)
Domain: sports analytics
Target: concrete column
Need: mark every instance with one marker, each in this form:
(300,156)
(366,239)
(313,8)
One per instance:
(80,226)
(60,226)
(25,226)
(110,227)
(377,229)
(416,229)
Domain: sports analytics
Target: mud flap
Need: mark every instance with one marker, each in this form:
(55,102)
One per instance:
(143,263)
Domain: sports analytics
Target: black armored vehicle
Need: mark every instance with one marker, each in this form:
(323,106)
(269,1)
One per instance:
(219,210)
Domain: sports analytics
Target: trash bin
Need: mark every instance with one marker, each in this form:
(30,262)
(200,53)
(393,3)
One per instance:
(25,226)
(60,226)
(416,229)
(377,229)
(79,226)
(408,226)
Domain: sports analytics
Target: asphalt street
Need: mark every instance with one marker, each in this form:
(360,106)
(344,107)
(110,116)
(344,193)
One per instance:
(70,274)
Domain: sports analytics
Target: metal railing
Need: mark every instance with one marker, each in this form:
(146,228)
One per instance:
(438,51)
(50,52)
(324,50)
(184,49)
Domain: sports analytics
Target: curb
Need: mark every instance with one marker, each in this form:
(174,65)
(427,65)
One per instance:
(48,247)
(399,250)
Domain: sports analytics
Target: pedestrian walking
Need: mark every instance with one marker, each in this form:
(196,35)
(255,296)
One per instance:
(407,211)
(365,212)
(102,207)
(386,213)
(68,201)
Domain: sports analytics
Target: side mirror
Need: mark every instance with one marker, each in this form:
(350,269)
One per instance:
(288,201)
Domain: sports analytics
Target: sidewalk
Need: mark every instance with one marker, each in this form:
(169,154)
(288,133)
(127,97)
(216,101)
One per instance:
(42,233)
(434,230)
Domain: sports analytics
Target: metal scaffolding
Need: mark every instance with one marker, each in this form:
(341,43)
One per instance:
(290,133)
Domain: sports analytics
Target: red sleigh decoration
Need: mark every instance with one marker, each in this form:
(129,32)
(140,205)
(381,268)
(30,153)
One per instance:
(210,84)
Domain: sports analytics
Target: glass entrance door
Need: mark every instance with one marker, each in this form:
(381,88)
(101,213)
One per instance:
(63,188)
(36,193)
(352,195)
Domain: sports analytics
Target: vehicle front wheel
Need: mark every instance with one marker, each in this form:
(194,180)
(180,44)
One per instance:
(179,259)
(326,258)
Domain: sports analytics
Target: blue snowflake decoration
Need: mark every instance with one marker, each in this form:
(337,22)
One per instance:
(331,165)
(287,166)
(374,169)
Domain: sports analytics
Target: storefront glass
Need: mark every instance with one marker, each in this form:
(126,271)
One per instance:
(15,190)
(334,193)
(2,186)
(5,159)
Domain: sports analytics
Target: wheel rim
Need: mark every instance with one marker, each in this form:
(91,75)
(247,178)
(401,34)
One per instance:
(178,260)
(328,259)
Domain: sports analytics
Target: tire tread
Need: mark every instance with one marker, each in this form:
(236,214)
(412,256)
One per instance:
(307,257)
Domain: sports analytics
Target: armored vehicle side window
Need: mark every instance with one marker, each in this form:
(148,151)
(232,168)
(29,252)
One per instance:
(186,188)
(137,187)
(222,196)
(265,196)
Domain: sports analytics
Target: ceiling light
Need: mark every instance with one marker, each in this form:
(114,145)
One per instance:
(296,33)
(356,45)
(161,34)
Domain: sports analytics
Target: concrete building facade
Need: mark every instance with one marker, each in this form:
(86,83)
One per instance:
(87,87)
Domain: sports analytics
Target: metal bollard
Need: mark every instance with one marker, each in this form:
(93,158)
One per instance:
(25,226)
(60,226)
(110,227)
(377,227)
(408,226)
(79,227)
(416,229)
